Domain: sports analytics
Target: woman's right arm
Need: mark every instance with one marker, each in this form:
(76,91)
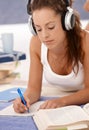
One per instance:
(33,91)
(35,72)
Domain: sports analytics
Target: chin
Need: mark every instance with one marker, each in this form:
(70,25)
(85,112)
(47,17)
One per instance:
(49,46)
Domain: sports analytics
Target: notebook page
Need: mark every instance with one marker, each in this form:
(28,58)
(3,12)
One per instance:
(9,111)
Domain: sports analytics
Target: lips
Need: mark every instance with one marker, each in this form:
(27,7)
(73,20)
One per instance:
(48,42)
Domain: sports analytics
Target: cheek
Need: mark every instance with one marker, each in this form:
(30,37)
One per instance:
(60,36)
(40,37)
(59,30)
(59,33)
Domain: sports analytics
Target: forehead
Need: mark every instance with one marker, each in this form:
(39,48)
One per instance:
(44,14)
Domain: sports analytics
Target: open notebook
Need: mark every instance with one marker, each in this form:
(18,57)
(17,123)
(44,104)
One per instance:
(9,111)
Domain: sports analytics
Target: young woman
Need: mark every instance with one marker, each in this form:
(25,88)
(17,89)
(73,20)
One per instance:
(60,49)
(86,7)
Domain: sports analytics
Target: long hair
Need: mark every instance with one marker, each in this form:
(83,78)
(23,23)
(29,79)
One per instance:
(74,50)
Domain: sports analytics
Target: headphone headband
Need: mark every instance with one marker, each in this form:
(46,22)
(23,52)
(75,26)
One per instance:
(30,1)
(67,2)
(28,9)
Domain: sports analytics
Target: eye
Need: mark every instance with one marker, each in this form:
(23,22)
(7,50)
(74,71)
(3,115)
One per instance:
(38,29)
(51,27)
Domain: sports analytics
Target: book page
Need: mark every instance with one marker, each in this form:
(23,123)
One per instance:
(72,114)
(9,111)
(60,117)
(86,108)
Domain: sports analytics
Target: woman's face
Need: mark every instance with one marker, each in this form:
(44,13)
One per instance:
(48,27)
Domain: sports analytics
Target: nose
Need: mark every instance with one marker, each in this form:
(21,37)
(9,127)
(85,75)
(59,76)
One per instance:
(45,34)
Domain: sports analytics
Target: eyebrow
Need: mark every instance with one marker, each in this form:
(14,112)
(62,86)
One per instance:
(46,23)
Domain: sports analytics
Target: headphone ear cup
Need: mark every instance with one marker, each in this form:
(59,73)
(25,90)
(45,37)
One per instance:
(68,19)
(31,26)
(72,21)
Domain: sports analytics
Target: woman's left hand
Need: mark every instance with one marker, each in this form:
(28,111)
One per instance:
(53,103)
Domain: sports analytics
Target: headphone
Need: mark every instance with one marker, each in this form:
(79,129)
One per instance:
(31,26)
(67,19)
(30,20)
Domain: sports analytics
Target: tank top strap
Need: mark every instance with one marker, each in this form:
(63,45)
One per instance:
(43,53)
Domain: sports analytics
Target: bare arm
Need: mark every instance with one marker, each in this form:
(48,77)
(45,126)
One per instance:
(33,91)
(35,72)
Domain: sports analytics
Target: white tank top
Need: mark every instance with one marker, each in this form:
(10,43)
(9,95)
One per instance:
(70,82)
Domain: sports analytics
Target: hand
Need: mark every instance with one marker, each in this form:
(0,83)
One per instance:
(53,103)
(19,107)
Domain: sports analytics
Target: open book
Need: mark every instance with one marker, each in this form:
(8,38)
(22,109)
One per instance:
(71,117)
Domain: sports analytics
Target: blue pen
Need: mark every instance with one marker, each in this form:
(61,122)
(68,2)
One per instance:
(22,97)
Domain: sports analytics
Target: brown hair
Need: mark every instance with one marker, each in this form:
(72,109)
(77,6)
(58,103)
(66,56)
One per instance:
(74,50)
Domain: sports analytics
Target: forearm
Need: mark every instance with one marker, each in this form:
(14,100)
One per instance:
(78,98)
(33,94)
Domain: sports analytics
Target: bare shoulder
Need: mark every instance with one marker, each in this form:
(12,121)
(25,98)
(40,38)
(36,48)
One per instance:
(86,57)
(87,35)
(86,41)
(35,45)
(86,47)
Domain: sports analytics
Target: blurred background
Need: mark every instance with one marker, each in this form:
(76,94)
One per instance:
(14,19)
(14,11)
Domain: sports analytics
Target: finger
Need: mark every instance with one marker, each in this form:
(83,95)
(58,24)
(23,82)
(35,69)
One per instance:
(16,104)
(44,105)
(28,103)
(50,105)
(19,106)
(22,108)
(19,109)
